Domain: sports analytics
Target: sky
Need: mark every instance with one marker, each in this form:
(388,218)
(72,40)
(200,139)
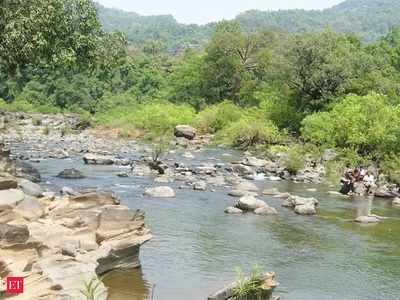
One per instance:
(204,11)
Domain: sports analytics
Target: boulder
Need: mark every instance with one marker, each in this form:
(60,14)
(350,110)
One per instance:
(254,162)
(160,192)
(248,203)
(242,170)
(185,131)
(13,234)
(71,174)
(367,219)
(302,206)
(241,193)
(30,209)
(246,186)
(396,202)
(94,159)
(70,248)
(265,210)
(30,188)
(271,192)
(89,200)
(233,210)
(7,183)
(10,198)
(383,192)
(27,171)
(200,186)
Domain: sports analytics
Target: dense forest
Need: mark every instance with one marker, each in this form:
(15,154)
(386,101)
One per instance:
(368,19)
(264,90)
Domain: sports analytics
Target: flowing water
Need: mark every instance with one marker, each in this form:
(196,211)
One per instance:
(196,247)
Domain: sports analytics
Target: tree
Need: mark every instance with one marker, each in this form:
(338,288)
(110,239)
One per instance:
(49,32)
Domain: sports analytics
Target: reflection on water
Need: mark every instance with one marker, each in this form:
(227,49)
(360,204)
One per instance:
(196,247)
(127,285)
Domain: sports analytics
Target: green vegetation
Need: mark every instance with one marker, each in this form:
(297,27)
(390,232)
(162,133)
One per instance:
(91,289)
(369,19)
(250,86)
(248,288)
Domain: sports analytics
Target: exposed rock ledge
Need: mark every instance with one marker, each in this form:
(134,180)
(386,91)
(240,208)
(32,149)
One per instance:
(74,240)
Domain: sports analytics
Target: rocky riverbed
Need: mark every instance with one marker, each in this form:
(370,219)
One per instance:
(188,177)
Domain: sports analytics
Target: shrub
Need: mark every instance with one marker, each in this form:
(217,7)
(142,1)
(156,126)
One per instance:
(295,161)
(368,124)
(391,168)
(217,117)
(248,132)
(248,287)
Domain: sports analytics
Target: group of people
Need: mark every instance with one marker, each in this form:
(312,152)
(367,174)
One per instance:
(357,175)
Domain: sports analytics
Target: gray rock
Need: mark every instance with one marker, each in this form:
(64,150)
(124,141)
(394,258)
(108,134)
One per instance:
(200,186)
(271,192)
(10,198)
(305,209)
(384,192)
(265,210)
(396,202)
(13,234)
(367,219)
(233,210)
(254,162)
(241,193)
(94,159)
(248,203)
(242,169)
(185,131)
(302,206)
(160,192)
(123,175)
(70,248)
(246,186)
(30,209)
(7,183)
(30,188)
(71,174)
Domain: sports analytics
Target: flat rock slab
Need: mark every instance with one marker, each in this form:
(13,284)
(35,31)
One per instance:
(10,198)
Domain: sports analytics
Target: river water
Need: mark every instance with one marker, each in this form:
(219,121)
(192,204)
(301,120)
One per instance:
(196,247)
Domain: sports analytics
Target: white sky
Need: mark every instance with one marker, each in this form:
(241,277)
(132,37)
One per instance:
(203,11)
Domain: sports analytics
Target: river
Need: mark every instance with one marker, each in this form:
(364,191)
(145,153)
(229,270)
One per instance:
(196,247)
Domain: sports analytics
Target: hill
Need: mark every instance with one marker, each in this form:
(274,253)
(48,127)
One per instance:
(369,19)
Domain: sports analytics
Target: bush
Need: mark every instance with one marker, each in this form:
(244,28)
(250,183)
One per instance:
(367,124)
(153,119)
(217,117)
(295,161)
(248,132)
(391,168)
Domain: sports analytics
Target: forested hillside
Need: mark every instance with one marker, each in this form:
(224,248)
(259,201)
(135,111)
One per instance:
(369,19)
(262,89)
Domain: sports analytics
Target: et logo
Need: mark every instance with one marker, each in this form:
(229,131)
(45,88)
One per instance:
(12,285)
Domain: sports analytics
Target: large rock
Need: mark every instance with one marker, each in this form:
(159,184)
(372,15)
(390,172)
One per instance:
(94,159)
(396,202)
(200,186)
(30,188)
(160,192)
(266,210)
(30,209)
(89,200)
(27,171)
(301,205)
(254,162)
(71,174)
(185,131)
(248,203)
(246,186)
(13,234)
(10,198)
(7,183)
(383,192)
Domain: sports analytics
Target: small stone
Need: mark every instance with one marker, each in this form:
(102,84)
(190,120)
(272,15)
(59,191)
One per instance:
(233,210)
(200,186)
(71,174)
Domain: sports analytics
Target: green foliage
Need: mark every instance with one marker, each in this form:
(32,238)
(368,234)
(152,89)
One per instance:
(153,119)
(53,32)
(391,168)
(248,287)
(368,124)
(91,289)
(250,131)
(217,117)
(294,161)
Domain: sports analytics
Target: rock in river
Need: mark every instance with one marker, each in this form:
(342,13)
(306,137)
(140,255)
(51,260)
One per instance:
(233,210)
(71,174)
(185,131)
(302,206)
(94,159)
(160,192)
(265,210)
(30,188)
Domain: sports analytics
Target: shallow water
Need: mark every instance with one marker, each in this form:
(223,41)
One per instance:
(196,247)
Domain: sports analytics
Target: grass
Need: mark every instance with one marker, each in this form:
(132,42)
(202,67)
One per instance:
(91,289)
(247,287)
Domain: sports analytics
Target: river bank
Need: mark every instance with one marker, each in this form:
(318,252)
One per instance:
(194,240)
